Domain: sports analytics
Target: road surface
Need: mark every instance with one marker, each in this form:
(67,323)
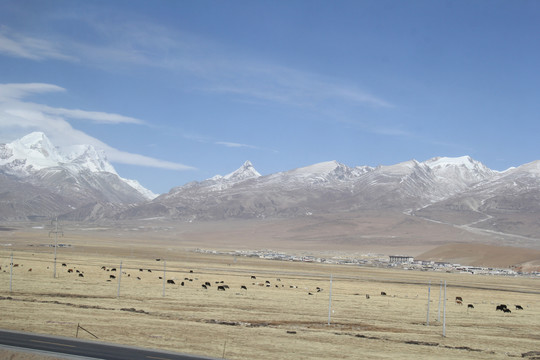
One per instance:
(88,349)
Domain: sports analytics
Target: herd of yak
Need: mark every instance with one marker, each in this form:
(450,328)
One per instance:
(223,287)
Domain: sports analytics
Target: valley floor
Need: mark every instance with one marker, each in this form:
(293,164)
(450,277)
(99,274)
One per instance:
(118,290)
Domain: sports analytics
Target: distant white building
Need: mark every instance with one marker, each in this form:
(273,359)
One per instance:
(400,259)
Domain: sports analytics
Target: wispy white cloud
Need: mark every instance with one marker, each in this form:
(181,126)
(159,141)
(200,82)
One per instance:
(215,69)
(212,67)
(17,115)
(234,145)
(21,46)
(245,146)
(95,116)
(290,86)
(11,92)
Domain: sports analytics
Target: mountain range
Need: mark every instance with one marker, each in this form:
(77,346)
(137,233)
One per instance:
(38,180)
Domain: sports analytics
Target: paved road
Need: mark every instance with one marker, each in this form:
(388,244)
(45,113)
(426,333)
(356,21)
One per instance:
(88,349)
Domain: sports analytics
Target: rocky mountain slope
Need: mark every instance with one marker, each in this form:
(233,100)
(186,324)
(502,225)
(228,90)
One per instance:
(321,188)
(39,180)
(455,193)
(459,194)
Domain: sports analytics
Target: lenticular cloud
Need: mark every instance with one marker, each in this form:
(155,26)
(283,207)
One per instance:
(18,115)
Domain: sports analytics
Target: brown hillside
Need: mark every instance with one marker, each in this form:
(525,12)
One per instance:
(484,255)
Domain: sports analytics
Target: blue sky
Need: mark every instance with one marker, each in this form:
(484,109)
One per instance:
(176,91)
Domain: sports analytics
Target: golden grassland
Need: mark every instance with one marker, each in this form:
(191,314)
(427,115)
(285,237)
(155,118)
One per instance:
(287,319)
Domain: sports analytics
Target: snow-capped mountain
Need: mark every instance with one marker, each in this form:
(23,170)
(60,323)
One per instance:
(39,179)
(218,182)
(70,178)
(508,201)
(35,152)
(31,153)
(320,188)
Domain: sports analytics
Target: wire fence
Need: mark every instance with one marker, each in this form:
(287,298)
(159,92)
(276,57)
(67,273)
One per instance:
(135,278)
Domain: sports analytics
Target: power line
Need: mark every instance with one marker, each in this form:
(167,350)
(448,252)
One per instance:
(55,232)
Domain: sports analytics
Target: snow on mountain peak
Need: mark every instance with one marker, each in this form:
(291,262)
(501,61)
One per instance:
(35,152)
(319,168)
(36,140)
(89,158)
(532,168)
(246,171)
(218,182)
(31,152)
(319,174)
(464,162)
(39,146)
(464,169)
(402,168)
(441,162)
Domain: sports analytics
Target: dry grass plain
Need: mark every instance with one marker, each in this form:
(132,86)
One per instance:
(275,322)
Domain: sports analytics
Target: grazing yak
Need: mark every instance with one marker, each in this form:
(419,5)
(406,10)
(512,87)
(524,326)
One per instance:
(170,282)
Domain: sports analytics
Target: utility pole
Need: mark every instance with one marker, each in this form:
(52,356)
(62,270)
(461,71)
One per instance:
(428,299)
(55,232)
(11,272)
(330,301)
(119,280)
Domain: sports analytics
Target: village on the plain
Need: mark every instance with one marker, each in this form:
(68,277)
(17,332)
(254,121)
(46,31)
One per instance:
(377,260)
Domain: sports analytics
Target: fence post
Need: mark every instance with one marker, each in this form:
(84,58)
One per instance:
(164,272)
(444,312)
(439,310)
(428,298)
(119,280)
(11,272)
